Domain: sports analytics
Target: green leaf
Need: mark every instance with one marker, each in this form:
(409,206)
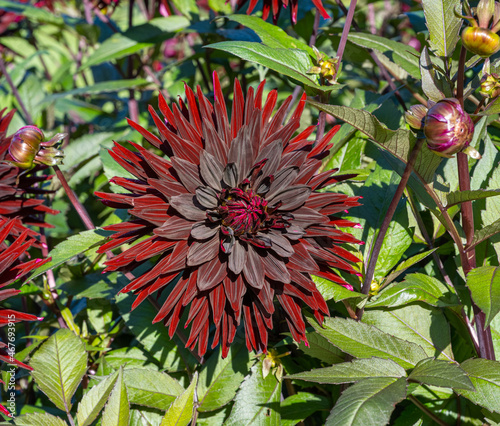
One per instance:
(170,353)
(397,142)
(353,371)
(415,288)
(220,377)
(417,323)
(403,266)
(136,38)
(484,233)
(117,411)
(484,285)
(73,246)
(298,407)
(399,53)
(132,356)
(58,367)
(37,14)
(271,35)
(485,377)
(39,419)
(363,341)
(151,388)
(429,86)
(321,348)
(369,402)
(330,290)
(181,411)
(443,25)
(445,374)
(257,401)
(293,63)
(93,401)
(458,197)
(113,169)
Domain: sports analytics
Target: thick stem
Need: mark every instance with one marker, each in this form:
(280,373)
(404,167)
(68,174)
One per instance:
(84,216)
(370,270)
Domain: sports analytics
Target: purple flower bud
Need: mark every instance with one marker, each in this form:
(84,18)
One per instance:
(448,128)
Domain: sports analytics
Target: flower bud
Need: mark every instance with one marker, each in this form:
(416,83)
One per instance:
(448,128)
(327,67)
(490,86)
(481,41)
(415,116)
(28,148)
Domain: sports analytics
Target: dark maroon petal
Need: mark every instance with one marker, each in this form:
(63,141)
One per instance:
(237,258)
(253,269)
(302,260)
(203,252)
(211,273)
(214,145)
(227,243)
(275,269)
(207,197)
(175,228)
(294,232)
(169,188)
(187,206)
(188,174)
(211,170)
(244,147)
(279,244)
(283,179)
(217,302)
(234,288)
(291,198)
(305,217)
(230,175)
(204,230)
(271,153)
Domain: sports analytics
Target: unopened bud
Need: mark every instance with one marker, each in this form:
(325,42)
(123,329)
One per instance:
(490,86)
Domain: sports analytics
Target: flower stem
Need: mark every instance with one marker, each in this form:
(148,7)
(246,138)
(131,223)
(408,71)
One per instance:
(15,92)
(84,216)
(370,270)
(345,31)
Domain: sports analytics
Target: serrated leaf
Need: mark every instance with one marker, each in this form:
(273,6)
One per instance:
(401,54)
(330,290)
(93,401)
(397,142)
(484,285)
(220,377)
(443,25)
(117,411)
(136,38)
(417,323)
(484,233)
(437,372)
(151,388)
(403,266)
(457,197)
(353,371)
(293,63)
(72,246)
(485,377)
(257,401)
(369,402)
(363,341)
(39,419)
(429,86)
(181,411)
(271,35)
(298,407)
(58,367)
(321,348)
(415,288)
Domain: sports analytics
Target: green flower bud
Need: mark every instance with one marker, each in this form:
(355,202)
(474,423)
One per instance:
(490,86)
(415,116)
(481,41)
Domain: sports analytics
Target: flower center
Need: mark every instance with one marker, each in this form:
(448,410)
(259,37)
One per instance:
(243,211)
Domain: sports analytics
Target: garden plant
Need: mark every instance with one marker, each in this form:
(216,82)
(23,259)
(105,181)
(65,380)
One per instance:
(242,212)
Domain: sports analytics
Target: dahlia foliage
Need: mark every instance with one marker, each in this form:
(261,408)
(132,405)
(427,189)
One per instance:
(11,269)
(18,187)
(234,216)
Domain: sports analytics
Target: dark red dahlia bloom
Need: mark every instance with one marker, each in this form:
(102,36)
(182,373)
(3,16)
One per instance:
(16,186)
(276,6)
(234,216)
(11,269)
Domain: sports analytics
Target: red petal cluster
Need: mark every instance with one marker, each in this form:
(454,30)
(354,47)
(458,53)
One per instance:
(233,219)
(11,269)
(16,187)
(276,6)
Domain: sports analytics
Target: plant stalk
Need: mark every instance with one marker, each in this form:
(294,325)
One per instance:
(426,411)
(370,270)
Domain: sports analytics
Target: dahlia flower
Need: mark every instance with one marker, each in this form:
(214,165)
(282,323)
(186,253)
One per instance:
(277,5)
(233,218)
(15,186)
(11,269)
